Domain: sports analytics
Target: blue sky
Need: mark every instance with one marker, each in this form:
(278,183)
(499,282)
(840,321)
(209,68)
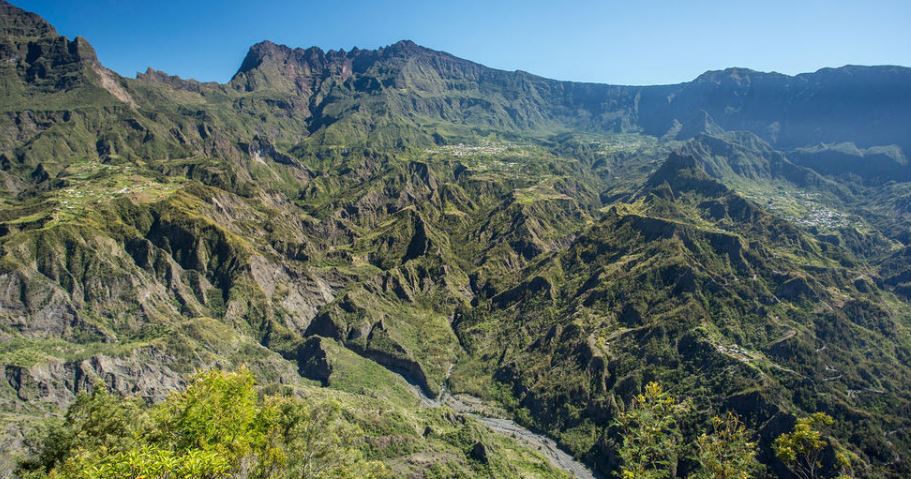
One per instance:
(621,42)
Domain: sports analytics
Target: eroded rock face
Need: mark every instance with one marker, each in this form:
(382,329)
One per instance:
(55,384)
(312,360)
(36,306)
(158,226)
(16,23)
(41,57)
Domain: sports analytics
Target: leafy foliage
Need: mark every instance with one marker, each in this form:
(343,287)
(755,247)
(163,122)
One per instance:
(217,428)
(802,448)
(652,441)
(728,452)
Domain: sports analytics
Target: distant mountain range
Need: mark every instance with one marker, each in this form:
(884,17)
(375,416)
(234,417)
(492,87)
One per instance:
(399,226)
(865,105)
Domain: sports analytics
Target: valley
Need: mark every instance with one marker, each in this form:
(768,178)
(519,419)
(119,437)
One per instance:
(484,273)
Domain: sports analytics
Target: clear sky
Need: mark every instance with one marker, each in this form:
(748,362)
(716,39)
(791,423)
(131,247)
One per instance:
(607,41)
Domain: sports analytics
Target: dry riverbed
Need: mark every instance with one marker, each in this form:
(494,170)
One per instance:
(489,416)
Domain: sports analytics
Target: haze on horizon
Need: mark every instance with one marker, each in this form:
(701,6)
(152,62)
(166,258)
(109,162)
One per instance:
(655,42)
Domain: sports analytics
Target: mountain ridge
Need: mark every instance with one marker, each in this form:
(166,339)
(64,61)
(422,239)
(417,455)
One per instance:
(406,45)
(653,109)
(338,221)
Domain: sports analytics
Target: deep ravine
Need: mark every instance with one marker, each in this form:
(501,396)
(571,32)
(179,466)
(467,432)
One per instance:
(468,405)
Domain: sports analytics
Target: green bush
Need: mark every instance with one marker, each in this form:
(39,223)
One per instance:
(652,442)
(727,453)
(218,427)
(802,449)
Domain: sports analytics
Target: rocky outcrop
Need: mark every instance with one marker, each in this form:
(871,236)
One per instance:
(478,452)
(55,384)
(313,360)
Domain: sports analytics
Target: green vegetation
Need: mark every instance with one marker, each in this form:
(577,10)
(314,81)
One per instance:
(652,441)
(218,427)
(728,452)
(653,444)
(222,426)
(802,449)
(346,223)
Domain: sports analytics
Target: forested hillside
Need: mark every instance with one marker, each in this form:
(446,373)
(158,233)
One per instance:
(412,265)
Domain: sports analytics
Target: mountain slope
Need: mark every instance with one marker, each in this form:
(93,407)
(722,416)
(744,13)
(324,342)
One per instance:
(696,287)
(344,220)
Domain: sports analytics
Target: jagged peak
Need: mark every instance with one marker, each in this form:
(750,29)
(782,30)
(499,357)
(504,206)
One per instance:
(18,23)
(682,171)
(158,76)
(704,162)
(268,50)
(20,27)
(724,142)
(700,123)
(265,50)
(405,47)
(271,65)
(735,75)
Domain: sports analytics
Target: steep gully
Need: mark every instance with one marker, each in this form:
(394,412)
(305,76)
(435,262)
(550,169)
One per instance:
(473,407)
